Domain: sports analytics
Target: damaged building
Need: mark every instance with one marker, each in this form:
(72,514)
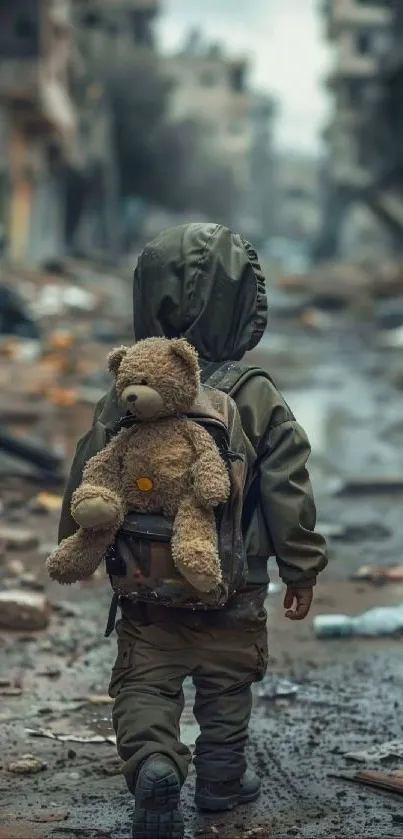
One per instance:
(59,189)
(212,88)
(108,34)
(37,125)
(361,137)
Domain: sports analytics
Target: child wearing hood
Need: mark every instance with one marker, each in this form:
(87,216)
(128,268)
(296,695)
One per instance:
(204,283)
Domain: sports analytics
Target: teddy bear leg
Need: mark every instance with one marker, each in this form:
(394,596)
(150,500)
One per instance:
(96,507)
(194,545)
(79,556)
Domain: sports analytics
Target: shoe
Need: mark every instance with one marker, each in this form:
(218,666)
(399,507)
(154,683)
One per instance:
(157,813)
(225,796)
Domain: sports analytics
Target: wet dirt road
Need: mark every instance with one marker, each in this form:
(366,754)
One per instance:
(349,693)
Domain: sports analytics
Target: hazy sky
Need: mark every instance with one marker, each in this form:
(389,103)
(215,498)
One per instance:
(284,39)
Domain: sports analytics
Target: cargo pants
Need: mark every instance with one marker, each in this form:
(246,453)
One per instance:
(224,652)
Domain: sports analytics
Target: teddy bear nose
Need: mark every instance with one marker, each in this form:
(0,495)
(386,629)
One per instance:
(132,397)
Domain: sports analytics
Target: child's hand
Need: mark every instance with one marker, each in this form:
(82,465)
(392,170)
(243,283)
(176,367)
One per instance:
(303,601)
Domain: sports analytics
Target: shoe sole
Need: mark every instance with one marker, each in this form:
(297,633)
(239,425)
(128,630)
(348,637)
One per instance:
(157,813)
(217,805)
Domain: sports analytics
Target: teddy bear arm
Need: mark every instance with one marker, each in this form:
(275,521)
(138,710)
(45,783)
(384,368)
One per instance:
(98,502)
(211,483)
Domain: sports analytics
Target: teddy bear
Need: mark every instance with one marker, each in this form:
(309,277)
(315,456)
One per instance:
(164,462)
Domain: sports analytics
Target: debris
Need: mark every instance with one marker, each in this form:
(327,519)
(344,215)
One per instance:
(31,582)
(379,575)
(27,765)
(48,816)
(9,691)
(15,318)
(393,748)
(36,454)
(389,781)
(14,538)
(51,673)
(376,485)
(93,699)
(71,738)
(46,502)
(83,832)
(381,621)
(24,610)
(56,299)
(281,689)
(15,567)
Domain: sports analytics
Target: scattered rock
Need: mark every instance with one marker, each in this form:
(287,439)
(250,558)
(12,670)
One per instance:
(45,502)
(18,539)
(94,699)
(271,689)
(24,610)
(9,691)
(27,765)
(48,816)
(31,582)
(15,567)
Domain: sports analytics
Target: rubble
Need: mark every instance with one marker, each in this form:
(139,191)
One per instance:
(27,765)
(379,575)
(72,738)
(393,748)
(17,539)
(273,689)
(24,610)
(388,781)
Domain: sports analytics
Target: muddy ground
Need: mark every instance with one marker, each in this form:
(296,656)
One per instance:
(349,692)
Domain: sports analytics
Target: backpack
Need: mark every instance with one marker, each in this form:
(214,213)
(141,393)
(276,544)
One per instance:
(140,565)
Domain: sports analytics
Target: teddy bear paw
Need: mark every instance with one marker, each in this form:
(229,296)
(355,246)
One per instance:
(95,513)
(199,564)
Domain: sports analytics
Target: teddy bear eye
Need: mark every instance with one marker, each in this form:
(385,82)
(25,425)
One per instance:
(143,381)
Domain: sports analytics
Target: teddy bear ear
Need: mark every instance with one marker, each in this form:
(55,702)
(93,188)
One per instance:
(115,358)
(182,349)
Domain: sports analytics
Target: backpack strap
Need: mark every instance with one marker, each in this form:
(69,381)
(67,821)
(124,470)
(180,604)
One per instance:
(230,376)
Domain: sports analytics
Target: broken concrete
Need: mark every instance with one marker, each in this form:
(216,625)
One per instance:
(18,539)
(24,611)
(27,765)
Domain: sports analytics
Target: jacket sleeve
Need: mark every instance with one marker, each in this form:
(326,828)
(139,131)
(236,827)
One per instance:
(286,496)
(288,504)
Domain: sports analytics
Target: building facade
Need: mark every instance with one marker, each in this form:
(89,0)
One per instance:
(37,125)
(109,34)
(360,34)
(212,89)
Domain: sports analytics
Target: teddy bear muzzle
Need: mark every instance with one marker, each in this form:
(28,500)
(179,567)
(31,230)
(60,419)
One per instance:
(142,401)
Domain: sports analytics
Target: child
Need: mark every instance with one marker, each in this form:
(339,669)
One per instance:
(203,282)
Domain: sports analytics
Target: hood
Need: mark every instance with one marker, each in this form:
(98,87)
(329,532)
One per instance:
(204,283)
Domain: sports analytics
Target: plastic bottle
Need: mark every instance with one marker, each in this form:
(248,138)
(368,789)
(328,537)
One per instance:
(386,620)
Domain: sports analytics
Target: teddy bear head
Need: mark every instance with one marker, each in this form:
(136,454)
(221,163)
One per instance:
(157,377)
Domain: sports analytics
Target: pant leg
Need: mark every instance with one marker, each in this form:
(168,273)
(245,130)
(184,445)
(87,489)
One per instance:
(147,685)
(233,657)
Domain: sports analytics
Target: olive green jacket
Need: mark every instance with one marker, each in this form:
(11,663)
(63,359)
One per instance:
(205,283)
